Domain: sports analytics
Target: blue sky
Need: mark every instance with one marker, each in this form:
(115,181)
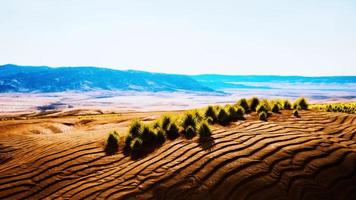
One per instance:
(304,37)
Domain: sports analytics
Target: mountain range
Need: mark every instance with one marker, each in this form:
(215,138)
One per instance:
(15,78)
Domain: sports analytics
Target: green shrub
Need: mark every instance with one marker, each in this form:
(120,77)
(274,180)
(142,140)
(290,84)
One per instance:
(160,136)
(263,115)
(148,136)
(273,102)
(135,128)
(302,102)
(346,107)
(204,130)
(112,143)
(172,132)
(279,102)
(209,120)
(189,120)
(253,103)
(287,105)
(275,108)
(295,113)
(261,108)
(197,116)
(240,112)
(136,146)
(128,141)
(223,117)
(210,112)
(243,103)
(232,115)
(189,132)
(267,104)
(166,121)
(297,107)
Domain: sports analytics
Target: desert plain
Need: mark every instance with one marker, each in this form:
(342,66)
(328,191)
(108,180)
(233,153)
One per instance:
(59,154)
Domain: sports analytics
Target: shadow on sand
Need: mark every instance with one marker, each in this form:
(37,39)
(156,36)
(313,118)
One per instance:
(206,144)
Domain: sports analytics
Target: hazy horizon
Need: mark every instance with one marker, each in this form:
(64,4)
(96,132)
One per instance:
(277,37)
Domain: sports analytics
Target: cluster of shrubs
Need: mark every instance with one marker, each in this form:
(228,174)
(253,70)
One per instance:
(223,115)
(144,138)
(263,107)
(337,107)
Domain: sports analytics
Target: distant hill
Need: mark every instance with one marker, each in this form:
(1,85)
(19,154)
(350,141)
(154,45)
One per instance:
(14,78)
(221,82)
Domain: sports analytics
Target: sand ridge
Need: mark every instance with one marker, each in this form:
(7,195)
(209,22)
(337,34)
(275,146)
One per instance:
(311,157)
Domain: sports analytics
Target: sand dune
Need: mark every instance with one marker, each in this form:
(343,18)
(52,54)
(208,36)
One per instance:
(311,157)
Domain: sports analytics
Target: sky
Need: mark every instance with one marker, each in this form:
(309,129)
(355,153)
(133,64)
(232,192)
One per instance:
(279,37)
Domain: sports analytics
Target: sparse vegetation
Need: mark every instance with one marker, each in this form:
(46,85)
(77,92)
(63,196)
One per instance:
(204,131)
(240,112)
(253,103)
(112,143)
(267,104)
(231,113)
(127,147)
(169,128)
(262,115)
(275,108)
(189,125)
(297,107)
(197,115)
(166,121)
(143,138)
(172,132)
(223,117)
(135,128)
(210,112)
(160,136)
(189,132)
(302,103)
(286,105)
(136,146)
(261,108)
(189,120)
(210,120)
(243,103)
(349,107)
(148,136)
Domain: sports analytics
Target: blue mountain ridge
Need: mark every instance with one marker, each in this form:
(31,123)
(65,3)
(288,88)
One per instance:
(15,78)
